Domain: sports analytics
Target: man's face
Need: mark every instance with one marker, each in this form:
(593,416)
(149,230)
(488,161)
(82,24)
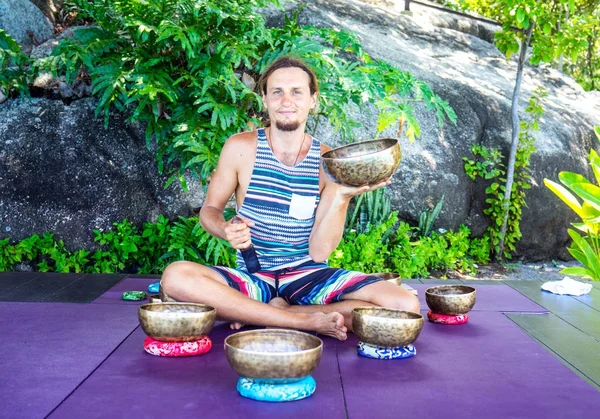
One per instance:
(288,99)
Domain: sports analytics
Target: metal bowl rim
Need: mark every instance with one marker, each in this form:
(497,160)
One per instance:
(355,144)
(427,291)
(356,309)
(143,308)
(277,354)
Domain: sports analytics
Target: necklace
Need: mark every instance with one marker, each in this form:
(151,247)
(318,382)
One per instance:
(299,150)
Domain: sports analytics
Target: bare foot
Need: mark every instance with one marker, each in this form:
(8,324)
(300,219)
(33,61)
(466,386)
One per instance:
(275,302)
(330,324)
(236,325)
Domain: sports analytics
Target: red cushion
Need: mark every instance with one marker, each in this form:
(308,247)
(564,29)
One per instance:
(444,319)
(196,347)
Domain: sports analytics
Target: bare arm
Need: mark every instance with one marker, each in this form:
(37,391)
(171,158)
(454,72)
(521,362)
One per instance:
(331,215)
(224,182)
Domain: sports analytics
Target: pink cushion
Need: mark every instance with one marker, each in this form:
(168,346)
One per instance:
(196,347)
(444,319)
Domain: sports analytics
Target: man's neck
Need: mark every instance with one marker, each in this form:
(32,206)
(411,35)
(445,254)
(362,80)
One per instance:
(286,139)
(288,145)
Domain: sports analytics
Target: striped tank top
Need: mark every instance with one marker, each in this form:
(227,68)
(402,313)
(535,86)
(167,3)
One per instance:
(282,202)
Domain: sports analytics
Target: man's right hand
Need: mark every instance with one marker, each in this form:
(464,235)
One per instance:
(237,232)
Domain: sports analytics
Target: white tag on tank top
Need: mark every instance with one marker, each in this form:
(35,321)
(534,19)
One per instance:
(302,207)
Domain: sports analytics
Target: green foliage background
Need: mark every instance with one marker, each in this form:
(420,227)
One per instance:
(488,164)
(566,28)
(187,68)
(390,246)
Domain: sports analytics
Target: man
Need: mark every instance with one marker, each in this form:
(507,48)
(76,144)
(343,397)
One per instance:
(294,216)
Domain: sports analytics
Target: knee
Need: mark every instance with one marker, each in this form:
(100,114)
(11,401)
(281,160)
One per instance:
(413,304)
(408,302)
(174,275)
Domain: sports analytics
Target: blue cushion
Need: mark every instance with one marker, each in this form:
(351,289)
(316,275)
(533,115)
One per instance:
(382,352)
(268,391)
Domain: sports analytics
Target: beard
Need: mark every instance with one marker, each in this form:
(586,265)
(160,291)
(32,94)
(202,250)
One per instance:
(287,126)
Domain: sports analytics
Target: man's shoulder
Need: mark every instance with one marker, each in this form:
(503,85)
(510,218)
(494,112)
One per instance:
(243,138)
(241,143)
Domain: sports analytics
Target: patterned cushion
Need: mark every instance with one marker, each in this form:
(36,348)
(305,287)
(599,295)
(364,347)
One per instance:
(271,392)
(196,347)
(444,319)
(382,352)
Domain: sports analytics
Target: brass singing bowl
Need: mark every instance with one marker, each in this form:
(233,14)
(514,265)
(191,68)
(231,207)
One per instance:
(450,300)
(387,327)
(362,163)
(176,322)
(275,355)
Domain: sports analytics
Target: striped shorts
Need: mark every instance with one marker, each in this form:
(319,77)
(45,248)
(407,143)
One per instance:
(305,284)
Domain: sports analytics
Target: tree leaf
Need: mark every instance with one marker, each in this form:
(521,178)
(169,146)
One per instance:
(589,192)
(577,271)
(547,28)
(564,194)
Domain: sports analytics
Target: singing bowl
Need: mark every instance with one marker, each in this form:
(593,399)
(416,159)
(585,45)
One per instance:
(450,300)
(387,327)
(362,163)
(176,322)
(276,355)
(389,276)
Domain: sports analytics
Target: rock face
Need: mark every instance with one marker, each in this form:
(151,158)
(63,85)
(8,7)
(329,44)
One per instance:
(61,171)
(26,23)
(453,55)
(49,7)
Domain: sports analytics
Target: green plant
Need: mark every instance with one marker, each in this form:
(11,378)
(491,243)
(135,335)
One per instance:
(538,31)
(122,249)
(189,241)
(480,249)
(117,247)
(15,67)
(187,69)
(155,239)
(489,165)
(427,219)
(370,209)
(390,248)
(586,249)
(364,252)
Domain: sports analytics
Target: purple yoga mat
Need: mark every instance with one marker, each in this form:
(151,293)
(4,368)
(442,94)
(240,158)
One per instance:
(487,368)
(48,349)
(134,384)
(499,297)
(114,295)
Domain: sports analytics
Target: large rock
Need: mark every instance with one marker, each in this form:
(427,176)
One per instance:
(448,53)
(49,7)
(61,171)
(23,21)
